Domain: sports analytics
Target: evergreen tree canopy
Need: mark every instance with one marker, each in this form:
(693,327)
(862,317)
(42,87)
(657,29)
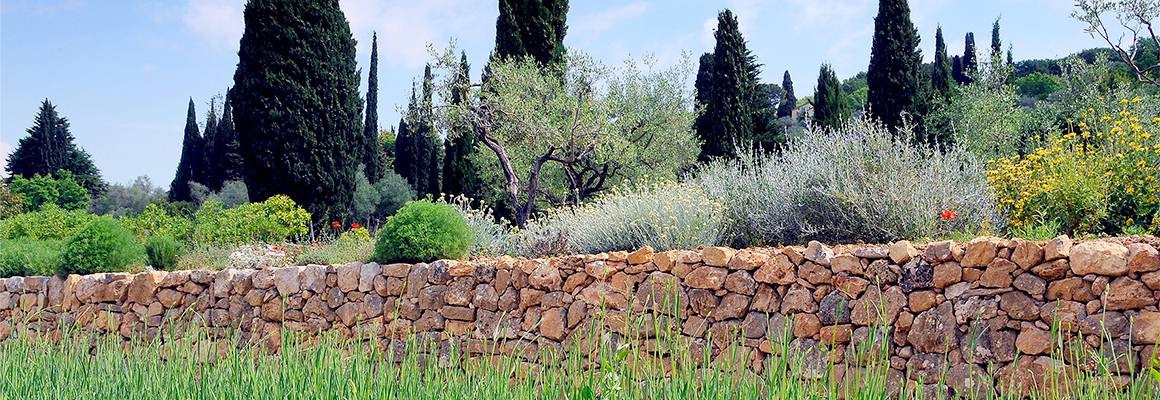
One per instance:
(957,68)
(192,153)
(534,28)
(829,100)
(895,64)
(297,109)
(460,174)
(404,164)
(788,101)
(208,163)
(227,159)
(970,60)
(50,149)
(728,111)
(996,43)
(372,157)
(941,73)
(428,139)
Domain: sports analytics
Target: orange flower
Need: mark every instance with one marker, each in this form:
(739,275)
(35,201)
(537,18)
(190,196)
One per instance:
(354,225)
(948,215)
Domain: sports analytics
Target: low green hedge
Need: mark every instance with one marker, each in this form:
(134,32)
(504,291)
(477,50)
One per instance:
(423,231)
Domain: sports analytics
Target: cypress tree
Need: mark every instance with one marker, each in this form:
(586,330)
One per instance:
(996,43)
(191,154)
(957,68)
(729,115)
(297,109)
(940,78)
(460,174)
(895,66)
(970,60)
(534,28)
(788,101)
(404,143)
(227,159)
(49,149)
(208,163)
(427,139)
(830,109)
(704,88)
(372,158)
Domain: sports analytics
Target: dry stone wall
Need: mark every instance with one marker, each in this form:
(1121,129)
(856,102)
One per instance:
(978,316)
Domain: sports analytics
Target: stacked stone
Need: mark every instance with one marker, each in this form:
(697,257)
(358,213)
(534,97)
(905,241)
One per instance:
(976,317)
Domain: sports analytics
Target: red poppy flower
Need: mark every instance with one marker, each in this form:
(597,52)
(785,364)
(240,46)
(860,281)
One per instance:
(949,215)
(355,225)
(335,224)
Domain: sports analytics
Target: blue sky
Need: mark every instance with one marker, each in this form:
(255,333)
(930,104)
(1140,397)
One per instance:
(123,71)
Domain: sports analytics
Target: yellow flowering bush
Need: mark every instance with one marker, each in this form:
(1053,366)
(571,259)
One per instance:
(1098,177)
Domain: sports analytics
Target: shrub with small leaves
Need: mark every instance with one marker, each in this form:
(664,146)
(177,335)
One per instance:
(162,252)
(51,222)
(104,245)
(423,231)
(27,257)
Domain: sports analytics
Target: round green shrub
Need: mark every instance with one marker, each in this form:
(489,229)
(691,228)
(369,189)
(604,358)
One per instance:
(27,257)
(423,231)
(102,246)
(162,252)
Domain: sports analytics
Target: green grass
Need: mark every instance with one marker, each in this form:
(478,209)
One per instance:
(614,359)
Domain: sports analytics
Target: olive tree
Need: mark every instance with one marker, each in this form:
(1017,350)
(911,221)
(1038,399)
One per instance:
(561,136)
(1136,18)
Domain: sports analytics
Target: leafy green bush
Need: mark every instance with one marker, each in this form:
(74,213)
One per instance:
(858,184)
(104,245)
(27,257)
(127,200)
(162,252)
(275,220)
(664,215)
(423,231)
(156,220)
(41,190)
(51,222)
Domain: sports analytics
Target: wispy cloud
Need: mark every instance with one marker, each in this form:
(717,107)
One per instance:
(824,14)
(405,28)
(746,11)
(219,22)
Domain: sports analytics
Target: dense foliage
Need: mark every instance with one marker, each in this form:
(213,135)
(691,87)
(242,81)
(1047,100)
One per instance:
(162,252)
(296,105)
(104,245)
(423,231)
(27,257)
(49,149)
(38,191)
(895,64)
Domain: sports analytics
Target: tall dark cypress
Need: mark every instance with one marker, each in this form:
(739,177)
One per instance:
(428,138)
(996,42)
(940,77)
(895,66)
(460,174)
(50,148)
(957,68)
(297,107)
(729,115)
(534,28)
(704,92)
(372,155)
(208,165)
(788,101)
(970,60)
(192,153)
(405,149)
(228,162)
(830,109)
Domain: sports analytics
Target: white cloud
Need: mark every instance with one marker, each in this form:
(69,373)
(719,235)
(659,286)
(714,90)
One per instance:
(826,14)
(5,150)
(592,25)
(219,22)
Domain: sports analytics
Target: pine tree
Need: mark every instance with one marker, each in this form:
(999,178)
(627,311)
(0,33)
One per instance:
(297,109)
(227,160)
(460,174)
(49,149)
(940,78)
(208,168)
(372,155)
(970,60)
(534,28)
(788,101)
(830,109)
(192,153)
(729,115)
(895,66)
